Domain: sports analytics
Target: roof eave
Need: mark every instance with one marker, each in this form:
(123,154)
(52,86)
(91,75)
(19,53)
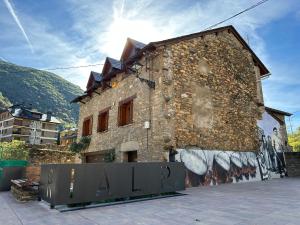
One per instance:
(79,98)
(278,111)
(153,45)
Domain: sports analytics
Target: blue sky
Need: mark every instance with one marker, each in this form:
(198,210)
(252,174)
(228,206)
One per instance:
(61,33)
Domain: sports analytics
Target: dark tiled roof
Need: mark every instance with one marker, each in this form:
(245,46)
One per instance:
(79,98)
(230,28)
(277,111)
(3,110)
(22,112)
(115,63)
(97,76)
(137,44)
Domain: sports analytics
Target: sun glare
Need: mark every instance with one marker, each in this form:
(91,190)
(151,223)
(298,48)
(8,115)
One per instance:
(122,28)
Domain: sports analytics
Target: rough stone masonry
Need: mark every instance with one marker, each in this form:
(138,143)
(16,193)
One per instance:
(215,94)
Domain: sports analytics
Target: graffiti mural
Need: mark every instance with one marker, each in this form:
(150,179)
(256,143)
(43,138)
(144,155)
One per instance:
(272,146)
(214,167)
(208,167)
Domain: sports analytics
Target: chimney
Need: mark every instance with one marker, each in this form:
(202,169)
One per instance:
(49,114)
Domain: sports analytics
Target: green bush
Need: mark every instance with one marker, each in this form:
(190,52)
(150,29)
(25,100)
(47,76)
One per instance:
(109,157)
(77,147)
(15,150)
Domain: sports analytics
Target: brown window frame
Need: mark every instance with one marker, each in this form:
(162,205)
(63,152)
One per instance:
(125,111)
(88,132)
(103,118)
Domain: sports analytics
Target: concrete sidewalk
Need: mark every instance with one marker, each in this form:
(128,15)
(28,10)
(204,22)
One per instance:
(255,203)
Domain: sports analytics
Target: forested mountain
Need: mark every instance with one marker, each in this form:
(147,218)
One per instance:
(4,102)
(45,91)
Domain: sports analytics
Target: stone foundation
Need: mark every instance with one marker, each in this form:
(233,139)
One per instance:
(47,154)
(44,156)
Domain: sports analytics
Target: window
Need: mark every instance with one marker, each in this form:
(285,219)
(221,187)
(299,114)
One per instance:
(16,131)
(126,111)
(44,125)
(87,126)
(103,120)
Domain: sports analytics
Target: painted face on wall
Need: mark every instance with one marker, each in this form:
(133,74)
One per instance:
(275,131)
(270,154)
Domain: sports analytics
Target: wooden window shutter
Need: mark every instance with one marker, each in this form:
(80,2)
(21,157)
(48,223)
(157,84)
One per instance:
(103,121)
(91,125)
(126,111)
(99,123)
(86,128)
(83,128)
(130,105)
(119,116)
(106,120)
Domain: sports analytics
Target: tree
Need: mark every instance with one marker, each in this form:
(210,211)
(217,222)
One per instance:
(294,140)
(15,150)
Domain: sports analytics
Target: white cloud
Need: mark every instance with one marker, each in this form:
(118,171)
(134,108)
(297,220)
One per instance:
(15,17)
(150,20)
(104,26)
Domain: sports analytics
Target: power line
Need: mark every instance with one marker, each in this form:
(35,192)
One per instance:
(55,68)
(73,67)
(210,27)
(237,14)
(223,21)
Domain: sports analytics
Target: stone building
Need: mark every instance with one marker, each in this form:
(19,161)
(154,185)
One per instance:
(200,91)
(22,123)
(67,137)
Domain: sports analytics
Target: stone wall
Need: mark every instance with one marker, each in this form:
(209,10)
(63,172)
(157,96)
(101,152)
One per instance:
(44,154)
(292,161)
(147,106)
(206,94)
(216,93)
(33,173)
(121,138)
(41,154)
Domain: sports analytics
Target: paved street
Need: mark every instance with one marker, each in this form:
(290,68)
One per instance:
(272,202)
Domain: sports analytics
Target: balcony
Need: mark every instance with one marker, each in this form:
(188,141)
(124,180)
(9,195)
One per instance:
(21,132)
(18,122)
(16,132)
